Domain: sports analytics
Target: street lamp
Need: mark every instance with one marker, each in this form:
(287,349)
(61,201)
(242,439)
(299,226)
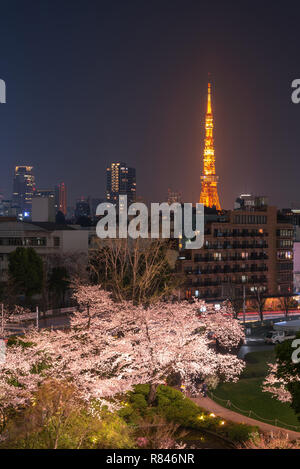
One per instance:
(244,299)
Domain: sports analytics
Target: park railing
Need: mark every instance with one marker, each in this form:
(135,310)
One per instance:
(17,324)
(252,414)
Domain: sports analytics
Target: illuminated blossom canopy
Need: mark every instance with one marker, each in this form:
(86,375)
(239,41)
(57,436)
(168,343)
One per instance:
(111,346)
(278,386)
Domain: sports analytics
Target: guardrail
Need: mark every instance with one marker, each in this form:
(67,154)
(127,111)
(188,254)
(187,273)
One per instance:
(57,311)
(12,328)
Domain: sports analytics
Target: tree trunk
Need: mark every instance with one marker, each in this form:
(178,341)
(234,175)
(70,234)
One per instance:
(152,393)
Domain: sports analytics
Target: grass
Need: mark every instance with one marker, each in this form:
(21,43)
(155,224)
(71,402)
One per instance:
(247,393)
(171,405)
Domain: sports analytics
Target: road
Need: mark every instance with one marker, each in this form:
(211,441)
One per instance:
(56,322)
(254,315)
(253,345)
(61,321)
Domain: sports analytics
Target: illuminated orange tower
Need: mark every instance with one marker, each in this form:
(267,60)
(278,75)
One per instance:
(209,181)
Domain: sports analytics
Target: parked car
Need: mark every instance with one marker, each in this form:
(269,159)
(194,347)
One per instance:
(277,337)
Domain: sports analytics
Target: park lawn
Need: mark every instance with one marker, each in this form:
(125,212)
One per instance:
(247,393)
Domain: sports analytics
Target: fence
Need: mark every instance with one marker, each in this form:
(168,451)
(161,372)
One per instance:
(21,323)
(252,414)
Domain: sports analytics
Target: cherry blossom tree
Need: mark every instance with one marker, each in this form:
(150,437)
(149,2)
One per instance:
(283,380)
(110,347)
(227,331)
(277,386)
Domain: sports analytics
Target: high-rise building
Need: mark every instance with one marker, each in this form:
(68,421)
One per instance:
(82,208)
(120,180)
(43,209)
(45,193)
(209,181)
(23,188)
(94,202)
(293,215)
(250,201)
(61,198)
(9,209)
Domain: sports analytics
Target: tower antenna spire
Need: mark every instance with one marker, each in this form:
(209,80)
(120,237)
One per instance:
(209,109)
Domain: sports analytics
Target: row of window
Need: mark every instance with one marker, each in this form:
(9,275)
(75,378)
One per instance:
(207,270)
(34,241)
(285,243)
(219,257)
(219,293)
(281,255)
(218,232)
(237,245)
(254,279)
(285,233)
(285,277)
(250,219)
(281,266)
(23,241)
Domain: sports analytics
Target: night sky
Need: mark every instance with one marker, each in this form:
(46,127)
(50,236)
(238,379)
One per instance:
(90,82)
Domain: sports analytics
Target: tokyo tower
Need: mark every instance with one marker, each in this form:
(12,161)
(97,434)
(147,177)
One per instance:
(209,181)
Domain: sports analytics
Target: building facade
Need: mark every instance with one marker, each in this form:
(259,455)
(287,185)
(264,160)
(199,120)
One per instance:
(61,198)
(45,193)
(120,180)
(43,209)
(23,189)
(82,208)
(247,248)
(48,239)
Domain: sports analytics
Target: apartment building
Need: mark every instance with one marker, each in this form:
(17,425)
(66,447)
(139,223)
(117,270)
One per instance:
(244,249)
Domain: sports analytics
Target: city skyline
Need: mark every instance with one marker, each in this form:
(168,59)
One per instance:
(139,97)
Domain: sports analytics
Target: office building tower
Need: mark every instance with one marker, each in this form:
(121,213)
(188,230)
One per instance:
(61,198)
(23,189)
(120,180)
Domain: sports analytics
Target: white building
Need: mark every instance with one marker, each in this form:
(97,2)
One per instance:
(296,266)
(48,239)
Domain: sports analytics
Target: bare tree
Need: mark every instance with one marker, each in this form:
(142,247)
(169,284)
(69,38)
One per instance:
(233,295)
(286,303)
(72,268)
(140,270)
(260,300)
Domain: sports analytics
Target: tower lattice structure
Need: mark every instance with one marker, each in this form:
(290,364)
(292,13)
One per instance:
(209,181)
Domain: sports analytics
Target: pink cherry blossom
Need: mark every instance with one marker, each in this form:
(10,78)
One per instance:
(110,347)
